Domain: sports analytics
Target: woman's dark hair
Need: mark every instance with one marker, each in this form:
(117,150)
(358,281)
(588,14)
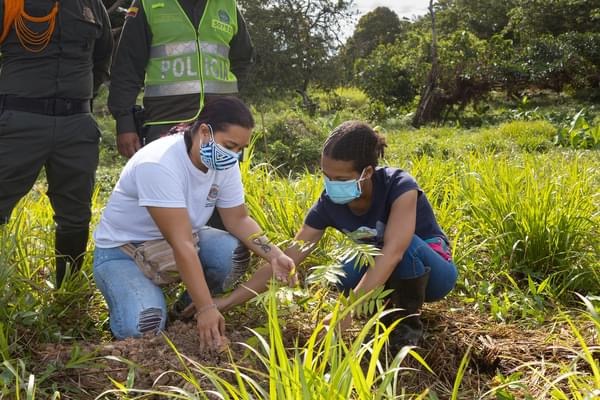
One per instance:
(219,112)
(357,142)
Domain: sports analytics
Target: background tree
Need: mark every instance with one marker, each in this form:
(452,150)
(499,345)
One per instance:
(558,42)
(392,73)
(379,26)
(430,104)
(484,18)
(532,18)
(513,45)
(295,42)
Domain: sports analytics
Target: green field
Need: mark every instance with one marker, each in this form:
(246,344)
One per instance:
(519,197)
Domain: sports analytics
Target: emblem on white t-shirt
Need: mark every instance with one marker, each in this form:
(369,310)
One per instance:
(213,193)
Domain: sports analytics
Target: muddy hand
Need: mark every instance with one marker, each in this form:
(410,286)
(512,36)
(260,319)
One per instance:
(224,346)
(284,269)
(211,329)
(342,325)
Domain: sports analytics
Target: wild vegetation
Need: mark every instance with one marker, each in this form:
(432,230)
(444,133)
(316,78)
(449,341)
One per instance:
(519,202)
(511,165)
(482,47)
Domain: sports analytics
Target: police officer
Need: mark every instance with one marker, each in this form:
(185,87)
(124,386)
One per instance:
(183,52)
(55,55)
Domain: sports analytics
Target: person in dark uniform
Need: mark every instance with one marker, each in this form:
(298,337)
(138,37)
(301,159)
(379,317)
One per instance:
(55,56)
(183,53)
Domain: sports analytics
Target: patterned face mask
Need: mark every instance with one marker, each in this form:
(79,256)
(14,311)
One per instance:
(217,157)
(343,192)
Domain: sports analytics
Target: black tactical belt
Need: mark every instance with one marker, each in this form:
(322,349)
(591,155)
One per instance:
(49,106)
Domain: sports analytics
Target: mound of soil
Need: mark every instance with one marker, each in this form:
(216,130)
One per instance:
(147,362)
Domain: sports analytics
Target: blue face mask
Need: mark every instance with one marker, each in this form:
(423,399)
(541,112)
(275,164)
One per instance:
(343,192)
(217,157)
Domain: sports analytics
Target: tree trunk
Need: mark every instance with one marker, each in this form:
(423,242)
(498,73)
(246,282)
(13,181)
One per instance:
(431,103)
(307,103)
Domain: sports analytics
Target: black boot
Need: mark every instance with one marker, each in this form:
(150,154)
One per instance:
(409,296)
(70,248)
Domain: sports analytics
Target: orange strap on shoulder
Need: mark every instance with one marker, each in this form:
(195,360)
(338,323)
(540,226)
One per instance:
(15,14)
(12,8)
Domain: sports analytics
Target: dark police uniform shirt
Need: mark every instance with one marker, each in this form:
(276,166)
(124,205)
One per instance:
(388,185)
(129,68)
(75,62)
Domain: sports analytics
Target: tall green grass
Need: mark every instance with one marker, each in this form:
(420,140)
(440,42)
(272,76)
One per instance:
(32,311)
(523,225)
(325,366)
(538,217)
(511,214)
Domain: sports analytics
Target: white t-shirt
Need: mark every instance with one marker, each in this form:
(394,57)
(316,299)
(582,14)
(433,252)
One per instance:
(161,174)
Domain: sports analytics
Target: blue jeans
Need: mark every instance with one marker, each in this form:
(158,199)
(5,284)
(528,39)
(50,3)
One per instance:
(418,255)
(135,303)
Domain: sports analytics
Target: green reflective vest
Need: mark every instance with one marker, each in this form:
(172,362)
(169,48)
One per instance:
(186,61)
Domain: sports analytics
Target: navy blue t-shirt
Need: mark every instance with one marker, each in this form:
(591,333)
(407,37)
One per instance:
(388,185)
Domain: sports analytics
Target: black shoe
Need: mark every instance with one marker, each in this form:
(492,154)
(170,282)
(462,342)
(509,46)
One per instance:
(406,334)
(70,248)
(183,309)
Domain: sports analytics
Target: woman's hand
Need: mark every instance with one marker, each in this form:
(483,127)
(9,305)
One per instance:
(222,303)
(284,269)
(211,328)
(342,325)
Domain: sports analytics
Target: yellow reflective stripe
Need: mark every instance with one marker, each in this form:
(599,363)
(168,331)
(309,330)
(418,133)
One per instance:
(180,48)
(190,87)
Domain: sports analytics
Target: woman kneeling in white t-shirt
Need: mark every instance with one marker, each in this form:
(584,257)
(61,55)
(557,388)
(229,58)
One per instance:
(168,190)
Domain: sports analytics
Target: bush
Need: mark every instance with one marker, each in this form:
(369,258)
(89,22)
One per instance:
(579,134)
(519,129)
(348,99)
(530,135)
(387,76)
(354,98)
(290,142)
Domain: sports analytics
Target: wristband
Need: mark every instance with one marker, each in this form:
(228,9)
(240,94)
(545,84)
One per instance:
(204,308)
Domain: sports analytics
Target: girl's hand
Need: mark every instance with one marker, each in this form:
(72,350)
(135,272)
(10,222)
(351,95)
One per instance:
(211,328)
(284,270)
(342,325)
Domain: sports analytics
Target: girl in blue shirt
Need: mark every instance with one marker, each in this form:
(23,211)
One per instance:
(382,206)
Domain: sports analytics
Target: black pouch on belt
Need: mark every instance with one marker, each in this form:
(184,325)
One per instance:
(139,120)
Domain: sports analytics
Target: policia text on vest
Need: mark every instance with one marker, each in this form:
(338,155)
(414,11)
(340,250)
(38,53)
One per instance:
(189,60)
(183,53)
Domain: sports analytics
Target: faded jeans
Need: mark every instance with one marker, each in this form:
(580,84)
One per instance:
(136,305)
(417,256)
